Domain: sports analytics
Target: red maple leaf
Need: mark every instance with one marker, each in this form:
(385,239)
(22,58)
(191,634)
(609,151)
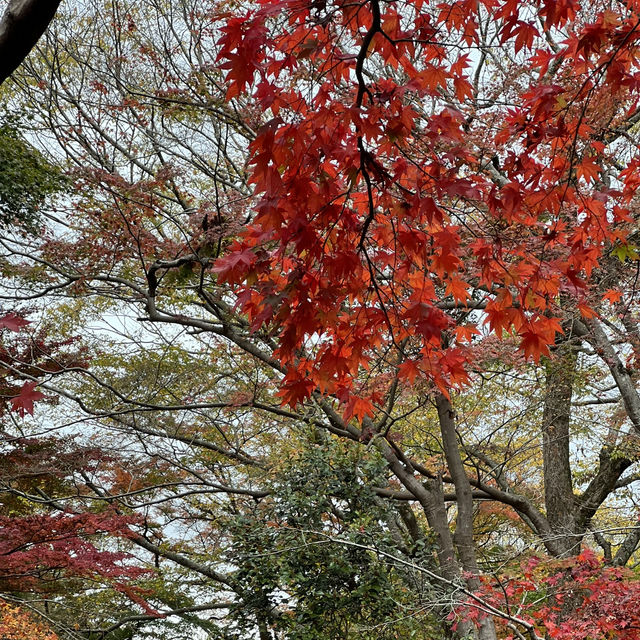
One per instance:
(23,403)
(293,392)
(13,322)
(589,170)
(358,408)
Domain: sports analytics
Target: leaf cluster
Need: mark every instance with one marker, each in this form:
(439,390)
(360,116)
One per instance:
(27,179)
(301,578)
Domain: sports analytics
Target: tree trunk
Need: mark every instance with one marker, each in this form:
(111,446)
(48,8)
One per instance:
(431,499)
(558,486)
(463,536)
(430,496)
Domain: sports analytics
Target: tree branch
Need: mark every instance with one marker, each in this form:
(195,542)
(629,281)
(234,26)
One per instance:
(22,24)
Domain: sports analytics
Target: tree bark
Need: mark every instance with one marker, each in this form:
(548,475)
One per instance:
(558,485)
(22,24)
(430,496)
(463,536)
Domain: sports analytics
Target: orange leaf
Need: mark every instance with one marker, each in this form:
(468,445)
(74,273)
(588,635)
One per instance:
(458,289)
(358,407)
(586,311)
(612,295)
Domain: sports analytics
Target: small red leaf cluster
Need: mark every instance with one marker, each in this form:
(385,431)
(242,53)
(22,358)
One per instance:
(25,356)
(34,548)
(568,599)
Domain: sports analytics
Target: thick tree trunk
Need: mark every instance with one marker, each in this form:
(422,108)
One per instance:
(22,24)
(558,486)
(430,496)
(431,499)
(463,537)
(613,458)
(263,629)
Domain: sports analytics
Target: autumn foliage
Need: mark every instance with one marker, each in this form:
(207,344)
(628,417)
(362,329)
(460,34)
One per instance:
(603,600)
(17,624)
(378,222)
(338,322)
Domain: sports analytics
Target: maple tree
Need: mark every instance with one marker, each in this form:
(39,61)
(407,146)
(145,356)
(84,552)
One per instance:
(48,542)
(405,229)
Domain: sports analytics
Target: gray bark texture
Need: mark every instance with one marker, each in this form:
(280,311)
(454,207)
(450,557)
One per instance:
(463,536)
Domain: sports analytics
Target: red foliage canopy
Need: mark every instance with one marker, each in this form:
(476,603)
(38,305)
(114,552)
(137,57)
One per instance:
(396,195)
